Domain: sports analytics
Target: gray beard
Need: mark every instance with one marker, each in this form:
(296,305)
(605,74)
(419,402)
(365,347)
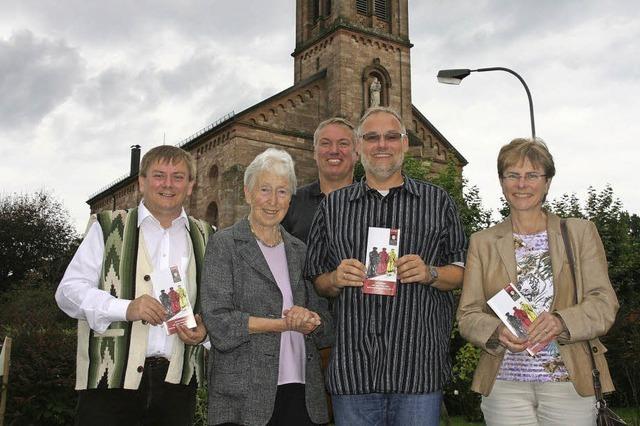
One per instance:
(381,173)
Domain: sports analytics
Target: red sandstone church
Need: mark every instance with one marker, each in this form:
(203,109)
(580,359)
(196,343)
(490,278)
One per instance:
(349,54)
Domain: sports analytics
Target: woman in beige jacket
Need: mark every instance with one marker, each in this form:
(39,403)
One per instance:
(527,249)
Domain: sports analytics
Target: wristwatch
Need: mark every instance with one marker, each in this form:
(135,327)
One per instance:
(433,273)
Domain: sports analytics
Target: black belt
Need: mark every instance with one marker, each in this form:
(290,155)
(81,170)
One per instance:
(156,361)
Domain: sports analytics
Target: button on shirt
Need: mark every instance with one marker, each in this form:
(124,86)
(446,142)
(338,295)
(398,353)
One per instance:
(78,294)
(387,344)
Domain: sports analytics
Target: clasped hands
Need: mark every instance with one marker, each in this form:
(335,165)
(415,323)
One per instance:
(410,268)
(543,330)
(300,319)
(148,309)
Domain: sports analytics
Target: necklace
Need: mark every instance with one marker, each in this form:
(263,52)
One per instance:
(278,237)
(535,226)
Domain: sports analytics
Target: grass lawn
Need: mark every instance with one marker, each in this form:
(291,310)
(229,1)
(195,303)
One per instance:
(631,415)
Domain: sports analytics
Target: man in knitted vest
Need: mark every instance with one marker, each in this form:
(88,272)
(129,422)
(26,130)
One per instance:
(129,371)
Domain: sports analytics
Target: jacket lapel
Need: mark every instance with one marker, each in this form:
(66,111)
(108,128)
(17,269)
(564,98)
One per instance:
(504,243)
(556,247)
(249,251)
(294,250)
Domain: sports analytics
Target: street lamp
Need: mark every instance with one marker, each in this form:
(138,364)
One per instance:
(455,76)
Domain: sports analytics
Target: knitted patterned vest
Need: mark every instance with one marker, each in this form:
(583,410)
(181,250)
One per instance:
(114,359)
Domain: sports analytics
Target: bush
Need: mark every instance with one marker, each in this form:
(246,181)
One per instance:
(459,397)
(42,374)
(36,236)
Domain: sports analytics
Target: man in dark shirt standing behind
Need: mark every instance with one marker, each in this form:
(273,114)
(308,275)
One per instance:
(391,353)
(335,154)
(334,149)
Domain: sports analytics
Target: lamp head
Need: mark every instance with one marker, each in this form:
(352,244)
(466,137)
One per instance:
(452,76)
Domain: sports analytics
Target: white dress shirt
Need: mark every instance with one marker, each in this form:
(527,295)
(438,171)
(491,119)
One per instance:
(78,294)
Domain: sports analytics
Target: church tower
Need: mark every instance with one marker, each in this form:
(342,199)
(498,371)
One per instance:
(349,55)
(364,47)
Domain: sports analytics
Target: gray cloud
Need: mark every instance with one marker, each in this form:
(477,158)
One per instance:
(109,23)
(36,75)
(137,71)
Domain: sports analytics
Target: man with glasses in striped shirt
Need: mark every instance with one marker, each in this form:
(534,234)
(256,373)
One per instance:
(391,356)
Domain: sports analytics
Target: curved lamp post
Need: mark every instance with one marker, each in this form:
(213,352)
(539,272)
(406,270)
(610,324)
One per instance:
(455,77)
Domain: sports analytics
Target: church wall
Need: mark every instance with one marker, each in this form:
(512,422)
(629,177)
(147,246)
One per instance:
(299,110)
(348,93)
(123,198)
(355,49)
(230,159)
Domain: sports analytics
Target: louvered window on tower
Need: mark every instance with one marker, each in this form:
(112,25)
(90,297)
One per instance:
(382,9)
(315,10)
(362,6)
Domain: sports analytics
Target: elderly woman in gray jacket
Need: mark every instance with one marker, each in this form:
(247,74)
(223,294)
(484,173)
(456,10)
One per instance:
(264,319)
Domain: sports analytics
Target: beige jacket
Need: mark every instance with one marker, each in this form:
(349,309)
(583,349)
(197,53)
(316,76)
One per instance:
(491,265)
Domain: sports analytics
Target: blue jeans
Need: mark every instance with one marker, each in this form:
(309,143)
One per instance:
(387,409)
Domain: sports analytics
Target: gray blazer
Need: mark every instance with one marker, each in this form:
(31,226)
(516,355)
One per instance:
(243,367)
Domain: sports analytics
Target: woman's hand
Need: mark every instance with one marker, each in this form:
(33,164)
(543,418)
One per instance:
(300,319)
(511,341)
(545,328)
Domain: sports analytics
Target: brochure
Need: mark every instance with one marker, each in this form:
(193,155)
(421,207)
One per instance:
(170,289)
(382,253)
(516,312)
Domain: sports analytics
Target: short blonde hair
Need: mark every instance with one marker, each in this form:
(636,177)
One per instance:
(534,150)
(338,121)
(168,154)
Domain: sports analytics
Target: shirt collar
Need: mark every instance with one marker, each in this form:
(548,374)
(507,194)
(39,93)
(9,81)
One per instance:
(408,185)
(144,213)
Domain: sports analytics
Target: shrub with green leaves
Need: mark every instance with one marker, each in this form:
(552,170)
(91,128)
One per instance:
(42,375)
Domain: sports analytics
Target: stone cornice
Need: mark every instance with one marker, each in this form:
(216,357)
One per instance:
(343,24)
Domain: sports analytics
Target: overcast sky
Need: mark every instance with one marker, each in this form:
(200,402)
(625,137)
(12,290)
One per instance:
(81,81)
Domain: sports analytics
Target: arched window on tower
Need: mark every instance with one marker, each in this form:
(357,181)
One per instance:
(315,10)
(327,8)
(213,174)
(362,6)
(212,214)
(381,9)
(319,9)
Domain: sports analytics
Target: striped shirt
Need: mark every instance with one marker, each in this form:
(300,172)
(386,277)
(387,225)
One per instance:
(388,344)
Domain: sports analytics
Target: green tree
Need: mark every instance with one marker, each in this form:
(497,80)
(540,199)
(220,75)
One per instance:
(36,236)
(467,198)
(620,234)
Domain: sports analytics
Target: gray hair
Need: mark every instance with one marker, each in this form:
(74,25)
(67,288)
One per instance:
(337,121)
(376,110)
(274,160)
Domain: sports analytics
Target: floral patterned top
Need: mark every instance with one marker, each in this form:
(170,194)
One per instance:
(535,282)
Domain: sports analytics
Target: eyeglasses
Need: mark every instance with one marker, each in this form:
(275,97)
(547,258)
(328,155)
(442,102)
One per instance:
(374,137)
(530,177)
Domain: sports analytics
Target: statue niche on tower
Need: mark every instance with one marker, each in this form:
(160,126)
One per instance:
(376,85)
(375,90)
